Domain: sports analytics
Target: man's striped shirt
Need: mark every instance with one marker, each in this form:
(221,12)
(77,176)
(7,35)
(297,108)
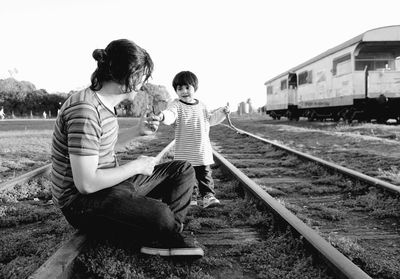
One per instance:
(84,127)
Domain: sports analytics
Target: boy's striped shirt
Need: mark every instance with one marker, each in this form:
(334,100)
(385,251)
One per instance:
(192,127)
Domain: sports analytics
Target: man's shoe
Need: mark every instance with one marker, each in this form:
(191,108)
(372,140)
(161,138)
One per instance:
(175,246)
(209,200)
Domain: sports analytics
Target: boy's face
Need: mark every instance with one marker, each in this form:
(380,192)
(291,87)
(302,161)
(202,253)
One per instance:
(185,93)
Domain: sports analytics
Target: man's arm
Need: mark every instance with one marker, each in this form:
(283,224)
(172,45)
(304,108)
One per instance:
(89,179)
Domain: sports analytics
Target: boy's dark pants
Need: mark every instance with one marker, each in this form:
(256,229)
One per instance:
(204,179)
(123,211)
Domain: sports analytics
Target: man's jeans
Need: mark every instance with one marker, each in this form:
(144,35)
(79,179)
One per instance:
(123,210)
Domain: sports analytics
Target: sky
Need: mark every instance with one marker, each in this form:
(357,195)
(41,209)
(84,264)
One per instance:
(233,46)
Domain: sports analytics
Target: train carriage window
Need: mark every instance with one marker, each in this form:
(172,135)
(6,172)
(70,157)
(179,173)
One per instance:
(309,77)
(269,90)
(284,84)
(343,68)
(305,77)
(375,62)
(341,65)
(302,78)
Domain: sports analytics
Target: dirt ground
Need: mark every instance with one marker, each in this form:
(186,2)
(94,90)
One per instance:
(368,148)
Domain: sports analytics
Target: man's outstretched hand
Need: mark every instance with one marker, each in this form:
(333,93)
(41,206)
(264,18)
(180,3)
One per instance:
(152,121)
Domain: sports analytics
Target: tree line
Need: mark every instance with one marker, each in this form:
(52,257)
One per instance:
(22,99)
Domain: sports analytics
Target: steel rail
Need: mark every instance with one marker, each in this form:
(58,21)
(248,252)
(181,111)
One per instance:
(228,118)
(352,173)
(44,170)
(61,264)
(339,263)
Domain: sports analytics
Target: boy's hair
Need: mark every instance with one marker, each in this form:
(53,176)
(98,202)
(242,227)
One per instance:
(185,78)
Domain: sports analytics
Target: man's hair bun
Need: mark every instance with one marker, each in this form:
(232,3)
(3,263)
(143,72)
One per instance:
(100,55)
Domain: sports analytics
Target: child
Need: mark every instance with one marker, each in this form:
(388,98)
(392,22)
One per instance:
(192,126)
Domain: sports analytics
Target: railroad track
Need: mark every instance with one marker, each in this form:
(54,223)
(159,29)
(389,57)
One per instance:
(355,212)
(369,150)
(215,234)
(219,232)
(338,168)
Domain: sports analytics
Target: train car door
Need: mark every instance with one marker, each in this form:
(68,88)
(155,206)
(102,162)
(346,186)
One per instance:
(292,89)
(293,112)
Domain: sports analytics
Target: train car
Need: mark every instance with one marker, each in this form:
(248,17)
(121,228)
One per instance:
(358,79)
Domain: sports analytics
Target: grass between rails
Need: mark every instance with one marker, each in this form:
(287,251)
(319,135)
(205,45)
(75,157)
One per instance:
(391,175)
(353,197)
(329,202)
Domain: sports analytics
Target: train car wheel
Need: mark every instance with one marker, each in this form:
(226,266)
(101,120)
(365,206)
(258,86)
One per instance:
(381,120)
(312,116)
(351,117)
(289,115)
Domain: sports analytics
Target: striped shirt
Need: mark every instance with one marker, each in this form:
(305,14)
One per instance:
(192,128)
(84,127)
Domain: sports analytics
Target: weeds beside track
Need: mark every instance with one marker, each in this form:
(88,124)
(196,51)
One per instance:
(360,220)
(241,238)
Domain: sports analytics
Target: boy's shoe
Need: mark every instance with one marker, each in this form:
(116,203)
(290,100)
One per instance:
(193,200)
(209,200)
(174,246)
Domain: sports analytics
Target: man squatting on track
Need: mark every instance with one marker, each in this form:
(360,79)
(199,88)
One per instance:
(95,193)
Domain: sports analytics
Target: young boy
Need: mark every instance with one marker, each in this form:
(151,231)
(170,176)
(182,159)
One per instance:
(192,126)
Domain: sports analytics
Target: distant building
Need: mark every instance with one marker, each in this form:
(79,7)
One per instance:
(246,107)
